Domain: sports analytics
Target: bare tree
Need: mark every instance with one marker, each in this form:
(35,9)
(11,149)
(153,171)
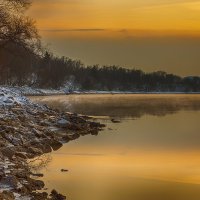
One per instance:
(15,27)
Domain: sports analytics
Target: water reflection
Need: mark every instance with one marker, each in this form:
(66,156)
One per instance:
(40,162)
(145,157)
(135,105)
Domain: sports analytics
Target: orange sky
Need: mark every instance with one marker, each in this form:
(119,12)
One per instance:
(68,21)
(181,15)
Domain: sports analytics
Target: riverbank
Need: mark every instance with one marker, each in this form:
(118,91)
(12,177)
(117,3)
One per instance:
(29,91)
(28,130)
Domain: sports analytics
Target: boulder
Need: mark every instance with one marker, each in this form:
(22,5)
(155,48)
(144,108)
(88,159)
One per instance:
(21,155)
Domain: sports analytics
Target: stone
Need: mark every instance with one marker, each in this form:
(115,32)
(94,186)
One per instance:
(56,196)
(39,196)
(7,195)
(37,175)
(63,123)
(38,184)
(21,155)
(8,101)
(55,144)
(21,174)
(115,121)
(34,151)
(2,174)
(8,152)
(11,181)
(64,170)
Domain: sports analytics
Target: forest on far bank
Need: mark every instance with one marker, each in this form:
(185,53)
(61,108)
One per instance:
(24,61)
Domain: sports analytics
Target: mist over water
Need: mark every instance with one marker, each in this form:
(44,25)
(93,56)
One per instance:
(119,105)
(154,153)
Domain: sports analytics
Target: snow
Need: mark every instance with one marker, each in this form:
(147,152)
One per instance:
(34,91)
(9,97)
(4,187)
(19,197)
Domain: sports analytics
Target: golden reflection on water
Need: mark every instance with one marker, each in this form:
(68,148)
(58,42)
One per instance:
(156,156)
(137,174)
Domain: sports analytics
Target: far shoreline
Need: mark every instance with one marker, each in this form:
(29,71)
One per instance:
(29,91)
(114,93)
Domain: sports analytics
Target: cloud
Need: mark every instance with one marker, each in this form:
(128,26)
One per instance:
(60,1)
(76,30)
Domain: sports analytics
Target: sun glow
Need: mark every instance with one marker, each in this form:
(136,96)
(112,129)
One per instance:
(152,16)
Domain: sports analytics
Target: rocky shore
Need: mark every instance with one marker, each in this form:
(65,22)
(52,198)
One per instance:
(28,130)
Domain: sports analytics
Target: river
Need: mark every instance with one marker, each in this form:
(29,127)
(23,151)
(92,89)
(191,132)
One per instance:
(152,154)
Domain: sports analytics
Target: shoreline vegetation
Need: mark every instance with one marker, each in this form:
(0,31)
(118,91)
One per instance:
(29,130)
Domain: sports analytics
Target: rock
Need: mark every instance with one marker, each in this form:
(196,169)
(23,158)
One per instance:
(64,170)
(37,132)
(94,132)
(115,121)
(56,196)
(73,136)
(30,155)
(66,138)
(55,144)
(75,127)
(39,196)
(21,155)
(7,195)
(43,146)
(8,152)
(96,124)
(11,181)
(8,101)
(37,175)
(46,148)
(34,151)
(22,190)
(37,184)
(21,174)
(2,175)
(63,123)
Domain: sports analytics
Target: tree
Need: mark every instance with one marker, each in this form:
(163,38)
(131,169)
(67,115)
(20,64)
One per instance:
(16,29)
(19,42)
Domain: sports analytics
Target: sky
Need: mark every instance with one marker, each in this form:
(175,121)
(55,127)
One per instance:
(145,34)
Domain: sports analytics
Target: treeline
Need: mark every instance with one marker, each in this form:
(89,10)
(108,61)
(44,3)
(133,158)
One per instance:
(24,62)
(48,71)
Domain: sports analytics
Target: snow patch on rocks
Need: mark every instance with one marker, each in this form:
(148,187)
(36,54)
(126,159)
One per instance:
(9,98)
(30,91)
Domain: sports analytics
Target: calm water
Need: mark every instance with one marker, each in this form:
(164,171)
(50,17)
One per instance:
(154,153)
